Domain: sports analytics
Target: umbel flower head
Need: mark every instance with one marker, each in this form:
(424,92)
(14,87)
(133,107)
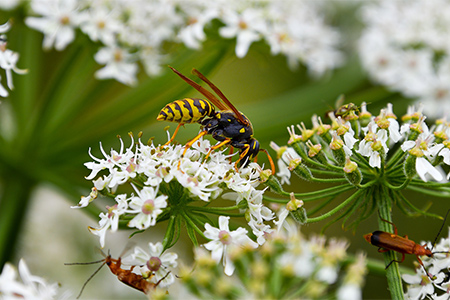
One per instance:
(377,157)
(287,266)
(167,186)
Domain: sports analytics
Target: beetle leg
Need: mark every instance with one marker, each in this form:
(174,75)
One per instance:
(395,227)
(382,250)
(421,263)
(397,261)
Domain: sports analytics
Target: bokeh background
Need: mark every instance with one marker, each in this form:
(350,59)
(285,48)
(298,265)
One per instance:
(59,110)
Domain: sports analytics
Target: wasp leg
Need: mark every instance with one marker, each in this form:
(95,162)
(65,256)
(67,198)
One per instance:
(231,153)
(242,155)
(190,143)
(226,141)
(272,165)
(174,134)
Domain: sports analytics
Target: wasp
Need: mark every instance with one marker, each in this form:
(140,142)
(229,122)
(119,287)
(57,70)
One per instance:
(129,278)
(227,125)
(392,241)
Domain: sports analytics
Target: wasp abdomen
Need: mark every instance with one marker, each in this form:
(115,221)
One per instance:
(186,111)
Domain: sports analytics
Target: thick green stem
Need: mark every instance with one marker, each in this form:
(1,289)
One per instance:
(392,273)
(14,200)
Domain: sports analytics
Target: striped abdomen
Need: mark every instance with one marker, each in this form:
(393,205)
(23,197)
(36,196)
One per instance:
(186,111)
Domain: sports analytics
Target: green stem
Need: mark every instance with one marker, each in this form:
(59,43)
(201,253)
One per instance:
(15,197)
(399,187)
(335,190)
(336,209)
(440,194)
(392,273)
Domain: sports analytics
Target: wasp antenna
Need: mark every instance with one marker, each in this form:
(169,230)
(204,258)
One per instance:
(86,282)
(439,232)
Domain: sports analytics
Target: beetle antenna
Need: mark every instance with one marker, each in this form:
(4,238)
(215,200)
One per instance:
(439,232)
(86,282)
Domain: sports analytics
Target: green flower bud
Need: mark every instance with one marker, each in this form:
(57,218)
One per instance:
(303,172)
(274,184)
(352,173)
(296,210)
(409,166)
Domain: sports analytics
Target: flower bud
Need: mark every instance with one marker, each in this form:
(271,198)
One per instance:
(303,172)
(409,166)
(274,184)
(352,173)
(299,215)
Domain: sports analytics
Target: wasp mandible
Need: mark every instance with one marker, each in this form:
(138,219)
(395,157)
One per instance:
(228,125)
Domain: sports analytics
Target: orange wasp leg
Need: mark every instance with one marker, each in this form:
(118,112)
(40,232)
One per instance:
(174,134)
(272,165)
(216,147)
(190,143)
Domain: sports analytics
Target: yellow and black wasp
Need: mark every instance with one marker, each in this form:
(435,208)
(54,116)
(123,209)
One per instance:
(228,125)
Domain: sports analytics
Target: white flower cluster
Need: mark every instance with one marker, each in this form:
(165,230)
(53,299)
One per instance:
(8,61)
(132,31)
(405,47)
(288,260)
(28,287)
(420,286)
(151,166)
(376,139)
(313,258)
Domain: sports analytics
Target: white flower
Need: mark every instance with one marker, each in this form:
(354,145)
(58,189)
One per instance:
(222,240)
(102,23)
(147,205)
(119,64)
(423,152)
(154,262)
(366,147)
(349,292)
(58,22)
(110,219)
(246,27)
(29,287)
(9,4)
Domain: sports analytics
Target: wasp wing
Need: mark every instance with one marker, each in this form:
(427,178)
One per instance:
(201,89)
(221,96)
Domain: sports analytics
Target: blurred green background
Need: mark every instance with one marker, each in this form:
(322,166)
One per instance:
(57,111)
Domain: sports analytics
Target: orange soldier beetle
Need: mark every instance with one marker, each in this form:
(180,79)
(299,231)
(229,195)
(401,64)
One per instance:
(392,241)
(131,279)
